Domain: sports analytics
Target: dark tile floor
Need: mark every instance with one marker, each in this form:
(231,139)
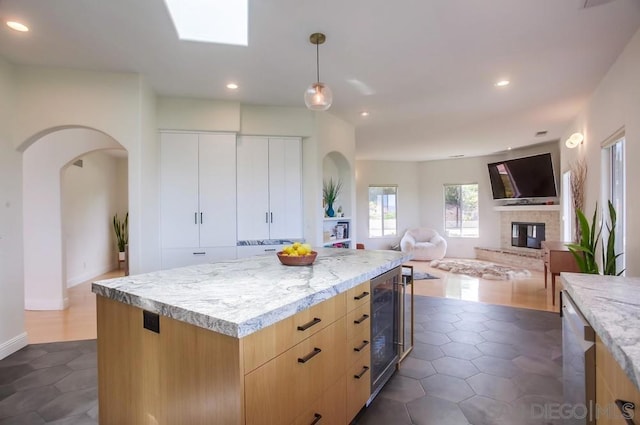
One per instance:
(50,384)
(472,364)
(475,364)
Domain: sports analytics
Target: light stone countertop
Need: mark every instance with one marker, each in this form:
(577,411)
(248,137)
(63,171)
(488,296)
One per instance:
(612,306)
(239,297)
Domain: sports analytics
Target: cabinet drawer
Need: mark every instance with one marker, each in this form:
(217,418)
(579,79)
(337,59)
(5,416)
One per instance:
(358,386)
(283,388)
(358,321)
(359,295)
(329,409)
(358,349)
(264,345)
(180,257)
(251,250)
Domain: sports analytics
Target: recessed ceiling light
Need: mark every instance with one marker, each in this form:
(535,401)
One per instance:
(509,148)
(232,86)
(17,26)
(502,83)
(364,114)
(456,156)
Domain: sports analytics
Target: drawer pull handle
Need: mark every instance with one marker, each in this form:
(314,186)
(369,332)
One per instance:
(362,319)
(200,253)
(316,418)
(361,296)
(364,370)
(361,347)
(627,409)
(306,326)
(309,356)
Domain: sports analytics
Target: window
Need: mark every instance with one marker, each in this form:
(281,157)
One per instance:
(614,190)
(461,210)
(567,208)
(382,211)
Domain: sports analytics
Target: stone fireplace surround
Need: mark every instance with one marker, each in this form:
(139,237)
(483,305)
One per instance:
(522,257)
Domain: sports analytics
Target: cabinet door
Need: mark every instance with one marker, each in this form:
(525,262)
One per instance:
(253,188)
(285,188)
(217,194)
(179,190)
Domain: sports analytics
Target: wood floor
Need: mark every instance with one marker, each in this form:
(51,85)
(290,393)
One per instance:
(79,320)
(524,293)
(75,323)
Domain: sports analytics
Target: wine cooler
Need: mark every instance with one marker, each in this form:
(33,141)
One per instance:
(384,328)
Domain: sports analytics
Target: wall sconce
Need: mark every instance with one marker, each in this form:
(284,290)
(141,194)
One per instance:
(574,140)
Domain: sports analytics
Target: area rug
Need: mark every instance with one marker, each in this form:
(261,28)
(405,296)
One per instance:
(422,276)
(482,269)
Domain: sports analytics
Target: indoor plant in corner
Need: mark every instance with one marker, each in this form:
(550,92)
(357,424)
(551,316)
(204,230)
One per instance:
(330,191)
(585,250)
(121,228)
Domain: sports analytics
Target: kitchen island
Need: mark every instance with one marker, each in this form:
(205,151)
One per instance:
(239,342)
(611,305)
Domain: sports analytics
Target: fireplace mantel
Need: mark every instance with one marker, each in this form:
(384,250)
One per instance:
(526,207)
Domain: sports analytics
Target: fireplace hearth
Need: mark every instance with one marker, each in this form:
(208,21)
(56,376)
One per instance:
(527,235)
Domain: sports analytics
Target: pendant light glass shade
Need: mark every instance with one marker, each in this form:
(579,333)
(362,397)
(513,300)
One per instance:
(318,97)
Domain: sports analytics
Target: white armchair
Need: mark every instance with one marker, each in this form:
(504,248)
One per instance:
(425,244)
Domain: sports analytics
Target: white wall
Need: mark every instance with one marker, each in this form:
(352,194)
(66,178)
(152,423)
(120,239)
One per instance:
(44,257)
(333,136)
(403,174)
(179,113)
(118,104)
(615,104)
(91,195)
(12,333)
(144,187)
(433,175)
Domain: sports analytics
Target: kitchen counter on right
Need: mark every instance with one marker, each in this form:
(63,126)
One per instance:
(611,304)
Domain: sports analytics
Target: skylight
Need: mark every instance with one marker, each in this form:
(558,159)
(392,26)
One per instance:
(211,21)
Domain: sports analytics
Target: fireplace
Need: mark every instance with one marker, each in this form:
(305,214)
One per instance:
(527,235)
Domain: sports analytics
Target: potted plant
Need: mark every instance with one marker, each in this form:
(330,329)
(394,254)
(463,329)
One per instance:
(330,191)
(585,250)
(121,228)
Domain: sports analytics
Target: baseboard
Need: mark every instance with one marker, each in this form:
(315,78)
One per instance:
(14,344)
(89,275)
(35,304)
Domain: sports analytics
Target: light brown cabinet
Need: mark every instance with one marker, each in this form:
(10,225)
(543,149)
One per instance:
(612,384)
(358,348)
(312,366)
(283,388)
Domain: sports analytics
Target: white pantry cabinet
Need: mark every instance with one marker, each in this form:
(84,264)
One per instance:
(269,171)
(198,197)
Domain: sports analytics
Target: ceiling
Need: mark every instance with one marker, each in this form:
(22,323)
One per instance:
(424,69)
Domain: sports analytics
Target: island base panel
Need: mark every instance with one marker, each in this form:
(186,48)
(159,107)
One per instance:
(182,375)
(612,384)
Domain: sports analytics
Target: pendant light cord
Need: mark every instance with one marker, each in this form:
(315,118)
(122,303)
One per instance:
(318,62)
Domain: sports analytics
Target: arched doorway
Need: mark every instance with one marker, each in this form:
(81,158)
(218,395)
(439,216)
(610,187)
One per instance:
(45,159)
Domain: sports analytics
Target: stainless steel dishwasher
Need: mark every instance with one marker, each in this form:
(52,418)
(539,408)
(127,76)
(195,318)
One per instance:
(578,362)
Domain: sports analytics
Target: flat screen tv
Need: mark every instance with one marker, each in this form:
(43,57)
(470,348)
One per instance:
(528,177)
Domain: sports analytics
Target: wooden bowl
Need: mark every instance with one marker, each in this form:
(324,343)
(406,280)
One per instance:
(306,260)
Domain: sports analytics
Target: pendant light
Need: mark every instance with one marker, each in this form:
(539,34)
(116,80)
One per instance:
(318,96)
